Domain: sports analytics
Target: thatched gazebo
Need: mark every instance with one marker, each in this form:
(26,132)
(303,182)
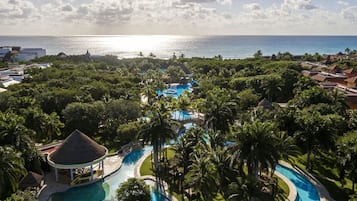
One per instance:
(78,151)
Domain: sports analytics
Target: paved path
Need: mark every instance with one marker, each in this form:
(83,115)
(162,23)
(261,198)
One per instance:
(292,189)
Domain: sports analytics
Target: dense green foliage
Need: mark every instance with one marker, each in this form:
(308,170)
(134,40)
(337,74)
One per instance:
(133,190)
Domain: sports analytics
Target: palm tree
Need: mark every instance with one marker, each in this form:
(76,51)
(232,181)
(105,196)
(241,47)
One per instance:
(261,145)
(315,130)
(184,149)
(220,110)
(347,51)
(347,156)
(157,131)
(11,170)
(226,174)
(52,125)
(202,176)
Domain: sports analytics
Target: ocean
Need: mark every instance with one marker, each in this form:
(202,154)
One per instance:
(164,46)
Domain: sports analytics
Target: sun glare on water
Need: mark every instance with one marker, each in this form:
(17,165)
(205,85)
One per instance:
(137,43)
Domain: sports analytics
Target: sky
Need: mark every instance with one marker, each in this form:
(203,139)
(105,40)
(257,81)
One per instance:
(189,17)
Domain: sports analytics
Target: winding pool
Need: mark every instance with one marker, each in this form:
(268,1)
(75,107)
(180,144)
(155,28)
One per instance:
(306,191)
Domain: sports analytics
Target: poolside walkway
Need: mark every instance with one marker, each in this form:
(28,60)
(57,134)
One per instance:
(292,189)
(323,193)
(111,164)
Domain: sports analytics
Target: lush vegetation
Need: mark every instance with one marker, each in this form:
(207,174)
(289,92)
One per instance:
(230,155)
(132,190)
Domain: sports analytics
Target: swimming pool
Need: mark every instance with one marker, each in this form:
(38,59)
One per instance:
(305,189)
(175,91)
(181,115)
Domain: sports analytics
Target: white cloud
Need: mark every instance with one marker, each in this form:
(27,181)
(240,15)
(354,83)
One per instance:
(13,10)
(344,3)
(298,4)
(350,13)
(224,2)
(252,6)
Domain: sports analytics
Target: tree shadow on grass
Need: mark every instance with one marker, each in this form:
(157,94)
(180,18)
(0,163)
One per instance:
(335,191)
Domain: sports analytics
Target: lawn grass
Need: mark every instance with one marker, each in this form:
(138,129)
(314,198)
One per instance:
(324,169)
(146,167)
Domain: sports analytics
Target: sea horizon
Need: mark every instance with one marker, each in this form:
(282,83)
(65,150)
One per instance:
(164,46)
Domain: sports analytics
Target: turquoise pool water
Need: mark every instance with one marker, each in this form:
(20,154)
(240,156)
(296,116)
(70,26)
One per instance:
(181,115)
(174,91)
(306,191)
(156,196)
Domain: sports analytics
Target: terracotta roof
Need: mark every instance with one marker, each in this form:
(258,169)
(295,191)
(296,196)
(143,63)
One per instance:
(309,73)
(352,79)
(32,179)
(334,68)
(265,104)
(77,148)
(319,77)
(350,70)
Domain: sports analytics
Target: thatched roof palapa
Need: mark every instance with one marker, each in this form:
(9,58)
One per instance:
(77,148)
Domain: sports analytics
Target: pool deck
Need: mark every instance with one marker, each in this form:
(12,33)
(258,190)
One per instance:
(323,193)
(292,189)
(111,164)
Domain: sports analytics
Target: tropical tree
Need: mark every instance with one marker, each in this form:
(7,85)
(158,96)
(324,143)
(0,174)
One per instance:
(339,103)
(133,190)
(220,110)
(348,51)
(11,170)
(156,131)
(261,145)
(52,125)
(258,54)
(175,73)
(315,131)
(202,174)
(152,82)
(347,156)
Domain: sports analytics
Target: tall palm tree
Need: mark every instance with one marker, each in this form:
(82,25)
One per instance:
(261,145)
(11,170)
(226,173)
(202,175)
(157,131)
(220,110)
